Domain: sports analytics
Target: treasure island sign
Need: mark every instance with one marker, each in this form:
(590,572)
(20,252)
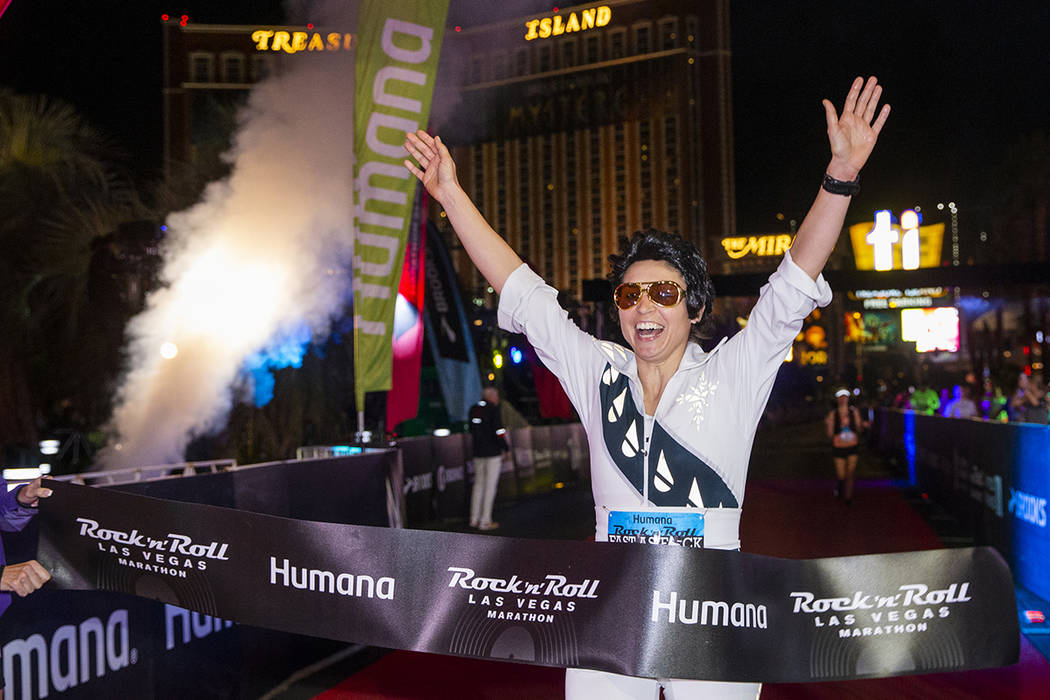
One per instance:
(546,27)
(294,42)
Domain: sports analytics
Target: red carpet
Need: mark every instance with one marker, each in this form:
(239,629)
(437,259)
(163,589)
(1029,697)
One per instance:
(800,519)
(795,518)
(413,675)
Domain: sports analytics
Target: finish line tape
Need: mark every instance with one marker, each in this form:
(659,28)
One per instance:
(640,610)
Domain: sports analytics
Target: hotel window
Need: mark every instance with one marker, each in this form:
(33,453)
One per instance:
(232,67)
(643,38)
(547,170)
(568,53)
(668,33)
(479,173)
(621,180)
(594,48)
(594,169)
(262,67)
(501,188)
(545,58)
(644,135)
(521,62)
(478,153)
(571,203)
(524,205)
(498,63)
(202,67)
(671,150)
(618,43)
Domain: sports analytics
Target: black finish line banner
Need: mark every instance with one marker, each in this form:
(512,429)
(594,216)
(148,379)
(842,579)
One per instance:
(642,610)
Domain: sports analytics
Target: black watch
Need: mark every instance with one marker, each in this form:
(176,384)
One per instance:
(842,187)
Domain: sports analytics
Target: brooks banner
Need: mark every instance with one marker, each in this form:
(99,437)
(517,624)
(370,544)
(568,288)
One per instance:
(637,609)
(447,332)
(394,76)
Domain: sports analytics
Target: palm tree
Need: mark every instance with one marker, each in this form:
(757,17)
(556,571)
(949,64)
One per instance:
(60,193)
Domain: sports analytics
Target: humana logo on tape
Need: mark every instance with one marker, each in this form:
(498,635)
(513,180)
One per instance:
(685,529)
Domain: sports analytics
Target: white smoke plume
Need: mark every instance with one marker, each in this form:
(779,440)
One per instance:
(260,264)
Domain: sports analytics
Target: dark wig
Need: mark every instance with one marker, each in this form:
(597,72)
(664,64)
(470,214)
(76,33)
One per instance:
(677,252)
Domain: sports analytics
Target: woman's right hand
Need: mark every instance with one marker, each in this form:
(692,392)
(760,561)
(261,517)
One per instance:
(487,249)
(438,173)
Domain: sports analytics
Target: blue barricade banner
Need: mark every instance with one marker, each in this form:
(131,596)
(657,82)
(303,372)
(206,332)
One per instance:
(991,476)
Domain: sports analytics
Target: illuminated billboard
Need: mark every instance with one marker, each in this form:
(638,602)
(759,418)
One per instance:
(876,330)
(931,329)
(897,298)
(762,246)
(546,27)
(294,42)
(886,244)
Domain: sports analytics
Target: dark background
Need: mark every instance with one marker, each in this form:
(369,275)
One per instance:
(967,80)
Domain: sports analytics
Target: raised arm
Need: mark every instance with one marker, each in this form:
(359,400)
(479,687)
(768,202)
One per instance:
(852,136)
(486,248)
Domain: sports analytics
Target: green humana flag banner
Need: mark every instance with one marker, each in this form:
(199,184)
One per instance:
(397,57)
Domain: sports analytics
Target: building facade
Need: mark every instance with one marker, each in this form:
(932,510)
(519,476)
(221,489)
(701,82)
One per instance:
(586,123)
(209,71)
(575,127)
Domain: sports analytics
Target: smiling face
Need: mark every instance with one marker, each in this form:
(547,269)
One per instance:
(655,333)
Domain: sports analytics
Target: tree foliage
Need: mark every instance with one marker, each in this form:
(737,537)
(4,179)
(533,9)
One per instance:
(62,192)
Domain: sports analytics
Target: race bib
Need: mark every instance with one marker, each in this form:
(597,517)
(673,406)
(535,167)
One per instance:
(685,529)
(845,438)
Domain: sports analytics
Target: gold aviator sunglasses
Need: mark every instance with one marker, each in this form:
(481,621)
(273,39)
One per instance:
(665,293)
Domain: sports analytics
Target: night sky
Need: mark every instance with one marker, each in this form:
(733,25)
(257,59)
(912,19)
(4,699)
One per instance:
(966,81)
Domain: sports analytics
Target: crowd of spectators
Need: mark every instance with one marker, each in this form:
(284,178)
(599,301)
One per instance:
(1028,403)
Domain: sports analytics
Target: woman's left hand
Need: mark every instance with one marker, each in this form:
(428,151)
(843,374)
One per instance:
(853,134)
(30,494)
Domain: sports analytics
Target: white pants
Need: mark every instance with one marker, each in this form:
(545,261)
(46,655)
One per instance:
(582,684)
(486,479)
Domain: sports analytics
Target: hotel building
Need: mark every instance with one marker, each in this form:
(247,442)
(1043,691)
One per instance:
(575,127)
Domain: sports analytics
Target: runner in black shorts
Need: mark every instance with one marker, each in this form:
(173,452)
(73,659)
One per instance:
(844,425)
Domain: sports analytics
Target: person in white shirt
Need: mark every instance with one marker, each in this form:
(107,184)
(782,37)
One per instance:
(962,404)
(669,426)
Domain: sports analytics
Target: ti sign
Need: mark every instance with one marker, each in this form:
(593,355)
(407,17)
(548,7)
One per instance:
(888,245)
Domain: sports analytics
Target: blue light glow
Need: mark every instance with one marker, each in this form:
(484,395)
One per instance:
(287,350)
(515,355)
(1028,489)
(909,446)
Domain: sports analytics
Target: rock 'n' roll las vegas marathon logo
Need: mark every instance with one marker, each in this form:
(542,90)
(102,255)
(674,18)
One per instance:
(172,554)
(520,600)
(908,610)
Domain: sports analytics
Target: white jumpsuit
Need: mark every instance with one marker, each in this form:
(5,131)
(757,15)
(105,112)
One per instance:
(692,454)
